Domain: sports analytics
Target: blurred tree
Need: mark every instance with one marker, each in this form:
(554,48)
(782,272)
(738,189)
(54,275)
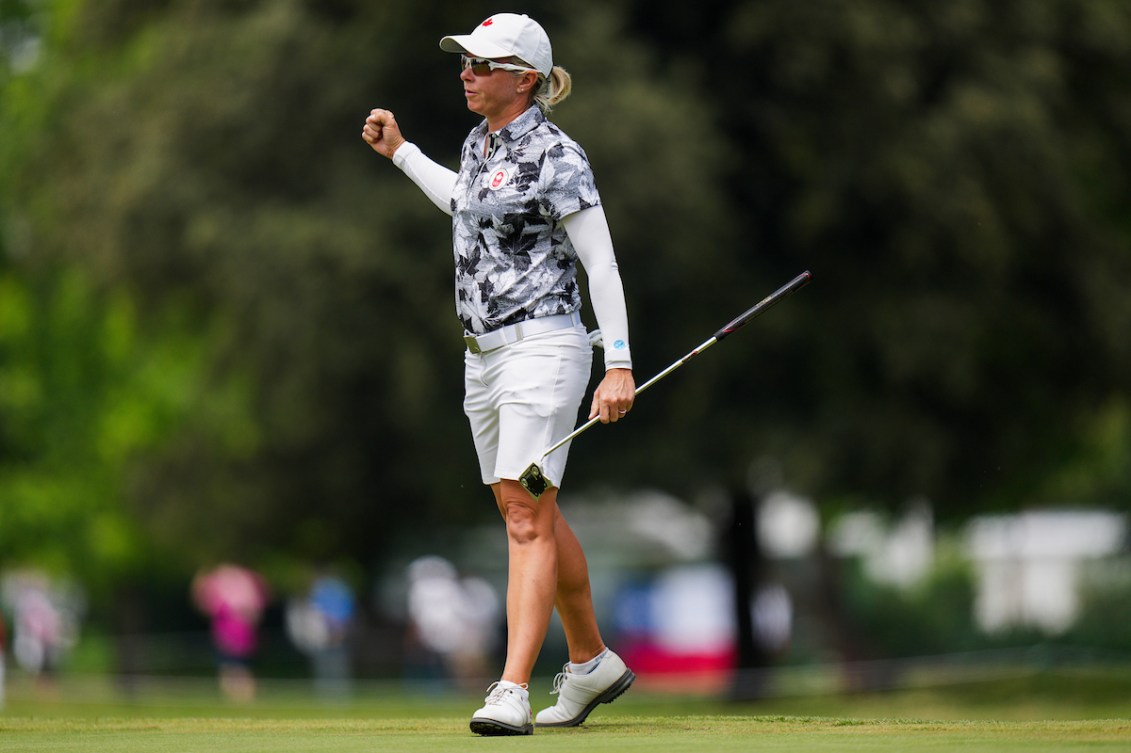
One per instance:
(86,391)
(214,166)
(955,175)
(952,173)
(19,36)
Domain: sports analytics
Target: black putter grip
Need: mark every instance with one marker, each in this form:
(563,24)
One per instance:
(793,285)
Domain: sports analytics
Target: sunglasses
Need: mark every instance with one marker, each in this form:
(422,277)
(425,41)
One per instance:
(483,66)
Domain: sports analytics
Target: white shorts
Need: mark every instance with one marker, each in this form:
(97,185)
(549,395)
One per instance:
(523,397)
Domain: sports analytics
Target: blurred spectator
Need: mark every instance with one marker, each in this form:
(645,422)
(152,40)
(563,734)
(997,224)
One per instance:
(452,620)
(233,598)
(44,623)
(319,624)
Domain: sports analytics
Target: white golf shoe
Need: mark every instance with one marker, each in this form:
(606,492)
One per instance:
(580,694)
(506,711)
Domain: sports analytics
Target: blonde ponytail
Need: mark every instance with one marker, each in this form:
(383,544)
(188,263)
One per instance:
(554,89)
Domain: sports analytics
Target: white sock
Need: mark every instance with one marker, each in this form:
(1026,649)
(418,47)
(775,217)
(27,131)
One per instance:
(587,667)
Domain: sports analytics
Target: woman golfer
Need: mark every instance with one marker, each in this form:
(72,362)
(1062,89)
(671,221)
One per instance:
(525,210)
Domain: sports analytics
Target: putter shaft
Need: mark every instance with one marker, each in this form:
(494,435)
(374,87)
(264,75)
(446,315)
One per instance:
(533,480)
(593,421)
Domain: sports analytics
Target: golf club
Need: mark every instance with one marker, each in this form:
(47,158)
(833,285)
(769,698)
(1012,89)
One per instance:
(536,483)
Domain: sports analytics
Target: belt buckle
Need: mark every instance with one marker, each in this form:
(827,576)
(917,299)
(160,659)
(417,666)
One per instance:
(472,345)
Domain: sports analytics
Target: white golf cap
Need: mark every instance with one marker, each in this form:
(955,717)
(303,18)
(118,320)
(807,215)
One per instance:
(505,35)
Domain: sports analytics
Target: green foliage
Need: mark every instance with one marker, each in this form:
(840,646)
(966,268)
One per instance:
(227,323)
(933,616)
(238,182)
(1105,609)
(926,161)
(1097,470)
(936,615)
(87,392)
(18,35)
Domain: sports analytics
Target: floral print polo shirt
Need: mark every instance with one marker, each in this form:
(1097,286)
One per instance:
(513,258)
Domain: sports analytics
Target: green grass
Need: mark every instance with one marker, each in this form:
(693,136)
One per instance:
(1031,711)
(612,732)
(717,734)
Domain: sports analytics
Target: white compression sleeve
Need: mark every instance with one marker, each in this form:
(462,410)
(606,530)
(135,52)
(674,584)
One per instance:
(588,230)
(436,181)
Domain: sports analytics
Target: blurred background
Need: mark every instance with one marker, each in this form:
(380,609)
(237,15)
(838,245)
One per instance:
(231,436)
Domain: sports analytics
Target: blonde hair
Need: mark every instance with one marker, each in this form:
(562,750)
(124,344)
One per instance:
(553,89)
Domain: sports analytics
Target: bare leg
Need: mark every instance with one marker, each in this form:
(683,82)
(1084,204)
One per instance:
(527,613)
(532,574)
(574,599)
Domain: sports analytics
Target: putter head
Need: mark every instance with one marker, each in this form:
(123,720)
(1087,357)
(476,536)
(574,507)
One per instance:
(533,481)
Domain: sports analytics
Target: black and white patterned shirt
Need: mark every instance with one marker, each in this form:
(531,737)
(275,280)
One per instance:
(513,258)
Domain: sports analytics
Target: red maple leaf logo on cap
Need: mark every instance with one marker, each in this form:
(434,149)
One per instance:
(488,22)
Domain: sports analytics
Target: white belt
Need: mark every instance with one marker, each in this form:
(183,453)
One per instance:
(512,333)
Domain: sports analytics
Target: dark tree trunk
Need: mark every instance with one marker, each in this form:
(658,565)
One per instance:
(742,554)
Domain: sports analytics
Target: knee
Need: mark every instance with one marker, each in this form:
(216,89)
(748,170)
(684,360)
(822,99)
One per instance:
(528,520)
(522,523)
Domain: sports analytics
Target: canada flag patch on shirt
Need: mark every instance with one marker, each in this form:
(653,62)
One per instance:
(498,178)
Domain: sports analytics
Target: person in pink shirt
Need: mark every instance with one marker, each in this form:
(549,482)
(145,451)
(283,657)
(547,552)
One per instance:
(233,598)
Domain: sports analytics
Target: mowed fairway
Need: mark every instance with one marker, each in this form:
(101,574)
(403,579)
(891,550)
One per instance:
(1046,712)
(717,734)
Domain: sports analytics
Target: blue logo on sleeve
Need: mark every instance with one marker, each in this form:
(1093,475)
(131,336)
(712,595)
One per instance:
(619,345)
